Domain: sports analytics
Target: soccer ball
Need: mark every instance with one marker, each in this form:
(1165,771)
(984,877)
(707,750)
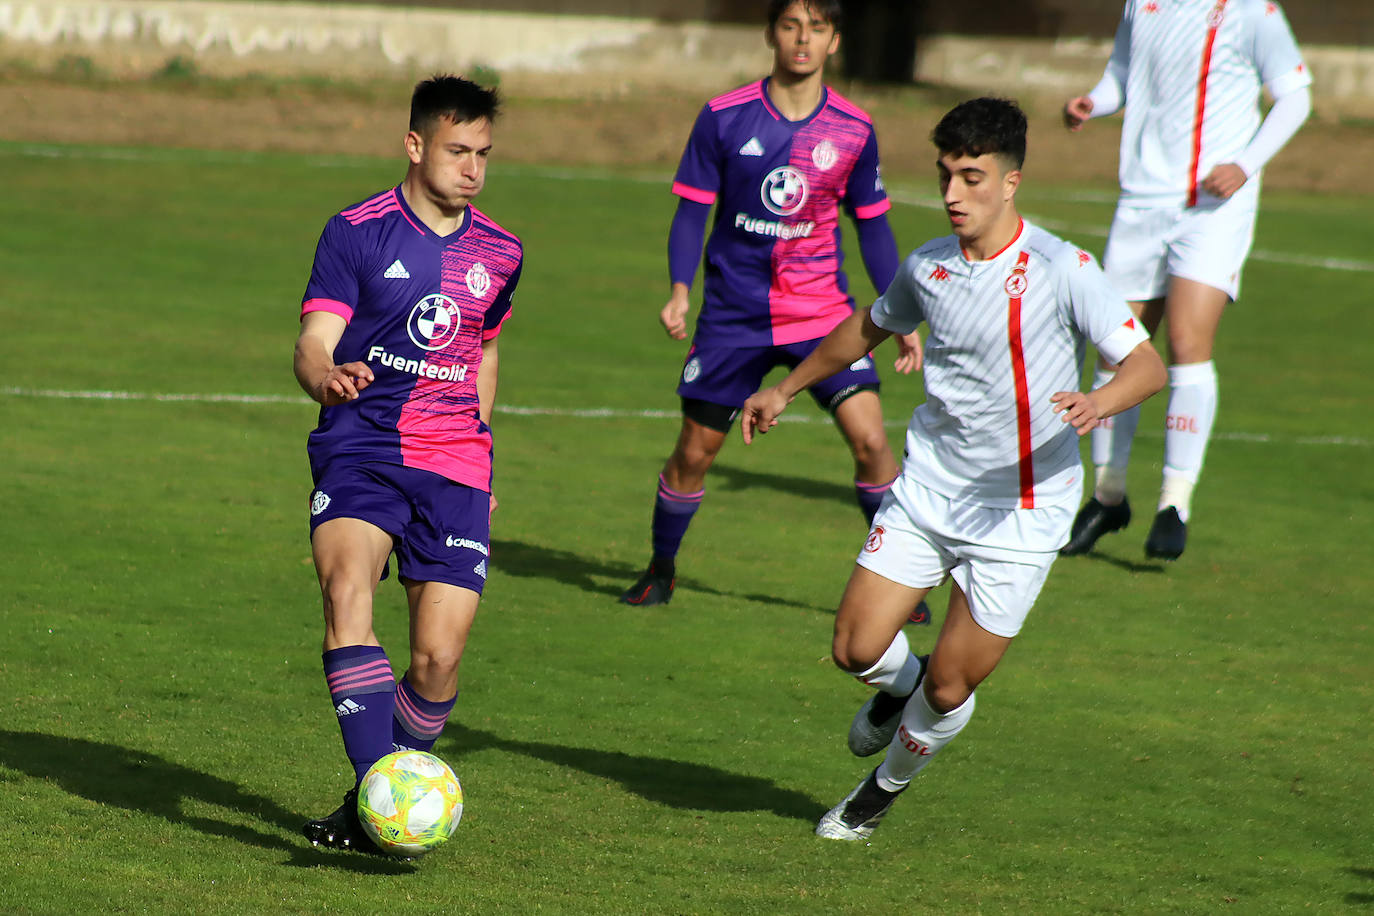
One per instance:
(409,802)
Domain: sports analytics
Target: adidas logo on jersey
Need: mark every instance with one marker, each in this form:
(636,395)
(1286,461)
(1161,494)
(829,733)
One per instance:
(481,569)
(397,271)
(752,148)
(348,708)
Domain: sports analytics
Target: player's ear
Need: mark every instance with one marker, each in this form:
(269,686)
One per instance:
(415,147)
(834,44)
(1010,182)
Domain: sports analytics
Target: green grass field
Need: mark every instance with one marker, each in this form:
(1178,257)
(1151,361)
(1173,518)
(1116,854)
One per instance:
(1182,739)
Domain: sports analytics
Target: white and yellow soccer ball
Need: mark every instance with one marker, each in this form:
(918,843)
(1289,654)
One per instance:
(409,802)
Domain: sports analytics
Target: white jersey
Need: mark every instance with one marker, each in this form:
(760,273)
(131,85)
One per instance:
(1005,335)
(1191,71)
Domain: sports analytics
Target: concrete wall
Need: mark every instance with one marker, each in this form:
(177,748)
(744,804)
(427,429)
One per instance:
(573,54)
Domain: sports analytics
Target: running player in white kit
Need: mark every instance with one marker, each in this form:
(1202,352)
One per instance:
(992,472)
(1193,143)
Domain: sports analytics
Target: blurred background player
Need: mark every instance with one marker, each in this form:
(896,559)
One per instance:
(398,335)
(992,471)
(1188,73)
(777,158)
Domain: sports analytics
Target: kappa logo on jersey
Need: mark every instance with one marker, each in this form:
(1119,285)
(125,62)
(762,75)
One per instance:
(319,502)
(939,273)
(1151,8)
(824,155)
(1084,258)
(434,321)
(397,271)
(692,371)
(875,540)
(752,148)
(478,280)
(784,190)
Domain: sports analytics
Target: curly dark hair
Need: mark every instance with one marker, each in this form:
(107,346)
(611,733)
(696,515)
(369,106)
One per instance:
(460,100)
(981,126)
(829,10)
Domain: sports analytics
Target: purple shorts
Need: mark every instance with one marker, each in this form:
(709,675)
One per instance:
(440,529)
(728,375)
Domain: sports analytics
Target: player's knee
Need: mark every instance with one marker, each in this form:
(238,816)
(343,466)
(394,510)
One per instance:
(870,449)
(850,656)
(432,669)
(946,694)
(346,599)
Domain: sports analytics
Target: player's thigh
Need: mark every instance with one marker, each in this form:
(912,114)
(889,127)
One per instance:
(1136,258)
(964,655)
(1193,313)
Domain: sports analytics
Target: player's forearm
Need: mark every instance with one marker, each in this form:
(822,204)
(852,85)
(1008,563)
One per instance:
(850,340)
(311,363)
(1280,124)
(1140,375)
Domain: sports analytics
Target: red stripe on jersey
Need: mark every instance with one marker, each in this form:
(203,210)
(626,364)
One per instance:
(1213,23)
(1018,369)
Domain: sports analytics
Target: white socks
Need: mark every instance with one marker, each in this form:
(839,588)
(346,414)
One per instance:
(1187,430)
(896,672)
(1111,448)
(922,733)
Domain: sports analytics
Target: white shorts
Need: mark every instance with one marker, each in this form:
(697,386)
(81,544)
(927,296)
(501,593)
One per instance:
(999,558)
(1206,243)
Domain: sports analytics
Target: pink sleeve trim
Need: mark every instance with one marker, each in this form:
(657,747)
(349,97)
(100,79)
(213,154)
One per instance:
(840,103)
(872,210)
(694,194)
(341,309)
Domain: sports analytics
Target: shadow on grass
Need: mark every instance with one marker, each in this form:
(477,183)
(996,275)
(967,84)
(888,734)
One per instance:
(522,560)
(139,781)
(1361,899)
(727,477)
(674,783)
(1134,566)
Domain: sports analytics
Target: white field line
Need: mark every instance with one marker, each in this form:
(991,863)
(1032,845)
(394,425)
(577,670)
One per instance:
(584,413)
(50,151)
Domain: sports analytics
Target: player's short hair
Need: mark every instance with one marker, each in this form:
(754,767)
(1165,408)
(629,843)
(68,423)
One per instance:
(980,126)
(829,10)
(452,97)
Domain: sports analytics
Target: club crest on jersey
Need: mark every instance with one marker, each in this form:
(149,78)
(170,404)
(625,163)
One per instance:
(1218,13)
(824,155)
(1016,284)
(434,321)
(319,502)
(478,280)
(875,540)
(784,190)
(692,371)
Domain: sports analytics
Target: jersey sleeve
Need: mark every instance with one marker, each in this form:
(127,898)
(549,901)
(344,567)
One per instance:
(864,194)
(899,309)
(1277,58)
(698,173)
(333,285)
(1098,310)
(500,310)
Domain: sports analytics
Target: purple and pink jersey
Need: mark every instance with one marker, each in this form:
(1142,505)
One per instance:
(773,262)
(418,308)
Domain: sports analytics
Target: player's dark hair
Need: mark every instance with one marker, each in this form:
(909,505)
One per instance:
(829,10)
(454,98)
(980,126)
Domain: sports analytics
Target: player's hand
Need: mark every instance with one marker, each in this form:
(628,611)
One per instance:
(674,316)
(911,353)
(343,383)
(1224,180)
(491,509)
(1077,111)
(1077,408)
(760,412)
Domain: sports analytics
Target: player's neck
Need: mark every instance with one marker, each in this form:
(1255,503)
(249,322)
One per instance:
(440,220)
(795,97)
(993,242)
